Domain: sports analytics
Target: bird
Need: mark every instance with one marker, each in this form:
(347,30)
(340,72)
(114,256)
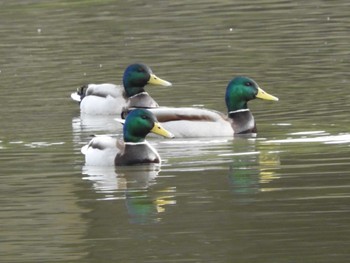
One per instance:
(105,150)
(111,99)
(201,122)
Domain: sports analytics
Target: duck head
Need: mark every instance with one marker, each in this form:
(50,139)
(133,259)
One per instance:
(139,123)
(242,89)
(137,76)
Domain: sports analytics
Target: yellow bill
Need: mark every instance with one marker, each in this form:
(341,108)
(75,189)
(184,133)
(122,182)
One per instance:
(158,129)
(265,96)
(158,81)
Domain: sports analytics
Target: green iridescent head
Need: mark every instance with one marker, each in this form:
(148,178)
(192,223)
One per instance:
(242,89)
(139,123)
(137,76)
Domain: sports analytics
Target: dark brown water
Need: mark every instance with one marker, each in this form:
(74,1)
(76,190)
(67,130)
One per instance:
(280,197)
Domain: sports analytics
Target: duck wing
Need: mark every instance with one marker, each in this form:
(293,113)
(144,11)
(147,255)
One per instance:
(166,114)
(101,99)
(194,122)
(100,151)
(104,90)
(101,90)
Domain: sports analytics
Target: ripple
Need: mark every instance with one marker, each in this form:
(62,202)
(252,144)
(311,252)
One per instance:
(327,139)
(239,154)
(42,144)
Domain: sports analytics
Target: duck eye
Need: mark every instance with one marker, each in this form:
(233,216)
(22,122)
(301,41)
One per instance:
(140,70)
(248,83)
(144,117)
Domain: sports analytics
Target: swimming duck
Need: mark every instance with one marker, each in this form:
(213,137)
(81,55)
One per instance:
(110,99)
(134,149)
(198,122)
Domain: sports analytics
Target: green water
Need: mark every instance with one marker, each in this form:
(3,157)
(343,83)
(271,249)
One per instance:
(280,197)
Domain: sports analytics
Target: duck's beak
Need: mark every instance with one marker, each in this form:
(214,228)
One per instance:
(158,81)
(265,96)
(158,129)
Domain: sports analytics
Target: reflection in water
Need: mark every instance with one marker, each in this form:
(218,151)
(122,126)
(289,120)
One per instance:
(85,126)
(132,185)
(243,174)
(268,162)
(250,172)
(92,123)
(314,136)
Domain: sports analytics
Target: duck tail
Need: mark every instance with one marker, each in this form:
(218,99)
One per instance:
(79,94)
(85,148)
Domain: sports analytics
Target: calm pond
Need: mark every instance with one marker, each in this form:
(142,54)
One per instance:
(282,196)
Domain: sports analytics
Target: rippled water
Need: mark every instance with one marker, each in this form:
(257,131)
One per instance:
(280,197)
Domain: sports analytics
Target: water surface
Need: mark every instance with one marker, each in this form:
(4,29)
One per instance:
(282,196)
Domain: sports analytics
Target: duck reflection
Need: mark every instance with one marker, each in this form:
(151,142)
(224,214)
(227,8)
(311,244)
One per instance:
(86,125)
(135,186)
(252,172)
(93,123)
(269,161)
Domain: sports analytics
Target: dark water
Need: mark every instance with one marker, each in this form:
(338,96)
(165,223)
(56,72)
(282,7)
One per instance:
(280,197)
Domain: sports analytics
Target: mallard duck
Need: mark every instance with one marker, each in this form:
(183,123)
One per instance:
(134,149)
(110,99)
(198,122)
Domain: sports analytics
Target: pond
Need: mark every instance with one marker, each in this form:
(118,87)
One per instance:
(282,196)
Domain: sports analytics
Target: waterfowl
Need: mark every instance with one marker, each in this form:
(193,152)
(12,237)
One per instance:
(134,149)
(110,99)
(198,122)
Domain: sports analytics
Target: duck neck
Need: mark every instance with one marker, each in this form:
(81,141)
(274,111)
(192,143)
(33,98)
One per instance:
(236,104)
(132,91)
(238,112)
(132,138)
